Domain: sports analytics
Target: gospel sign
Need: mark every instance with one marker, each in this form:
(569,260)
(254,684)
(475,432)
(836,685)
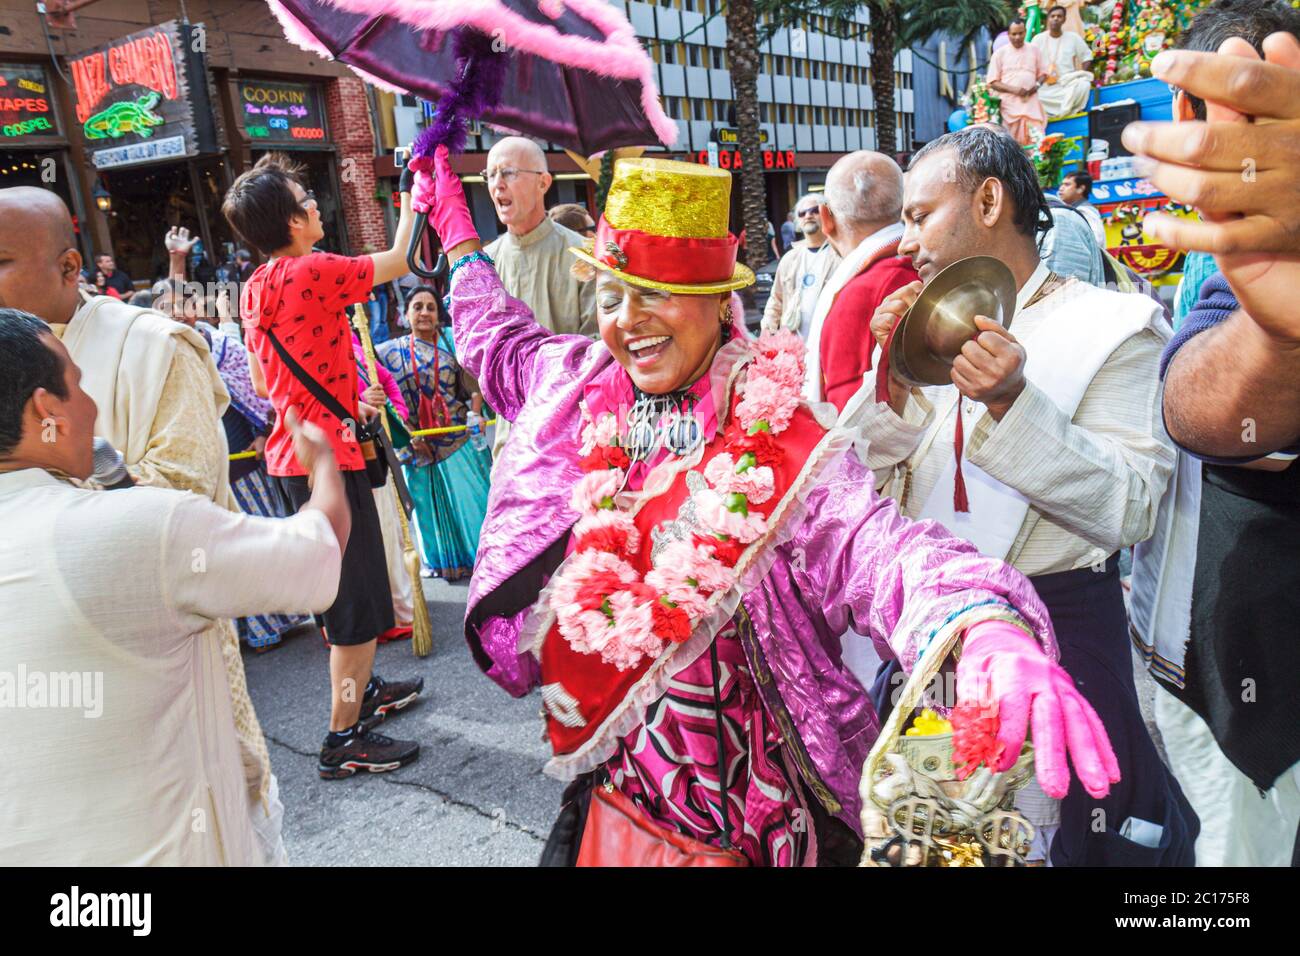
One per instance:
(144,98)
(26,108)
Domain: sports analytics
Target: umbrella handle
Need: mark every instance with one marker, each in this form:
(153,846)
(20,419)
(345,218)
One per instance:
(413,258)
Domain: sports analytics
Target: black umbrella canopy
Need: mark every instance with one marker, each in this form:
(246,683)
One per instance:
(574,73)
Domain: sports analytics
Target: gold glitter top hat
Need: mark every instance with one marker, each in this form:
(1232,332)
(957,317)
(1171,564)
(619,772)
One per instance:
(665,227)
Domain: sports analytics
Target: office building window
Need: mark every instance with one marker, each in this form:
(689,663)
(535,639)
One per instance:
(816,69)
(669,52)
(722,111)
(693,56)
(780,64)
(719,57)
(819,118)
(804,116)
(800,67)
(783,112)
(673,106)
(700,109)
(767,112)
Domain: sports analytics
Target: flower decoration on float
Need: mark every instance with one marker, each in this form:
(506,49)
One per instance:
(602,604)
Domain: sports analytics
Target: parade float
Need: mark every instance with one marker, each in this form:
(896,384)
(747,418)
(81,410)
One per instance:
(1125,36)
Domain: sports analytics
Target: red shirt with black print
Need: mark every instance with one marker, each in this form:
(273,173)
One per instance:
(303,301)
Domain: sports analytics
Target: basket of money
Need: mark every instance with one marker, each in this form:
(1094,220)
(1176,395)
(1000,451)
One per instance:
(928,799)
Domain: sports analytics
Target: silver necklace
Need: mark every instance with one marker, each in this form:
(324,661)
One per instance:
(663,421)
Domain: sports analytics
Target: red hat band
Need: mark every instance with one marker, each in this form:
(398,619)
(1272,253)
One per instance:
(667,259)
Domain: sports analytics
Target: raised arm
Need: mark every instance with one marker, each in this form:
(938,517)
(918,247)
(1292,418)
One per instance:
(391,263)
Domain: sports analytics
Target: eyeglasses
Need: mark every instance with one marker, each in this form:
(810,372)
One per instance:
(308,197)
(508,173)
(809,211)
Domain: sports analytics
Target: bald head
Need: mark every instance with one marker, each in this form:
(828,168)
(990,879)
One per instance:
(517,182)
(518,151)
(39,261)
(42,212)
(865,189)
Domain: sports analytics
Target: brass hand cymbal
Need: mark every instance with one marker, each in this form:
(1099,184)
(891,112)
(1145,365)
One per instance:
(942,319)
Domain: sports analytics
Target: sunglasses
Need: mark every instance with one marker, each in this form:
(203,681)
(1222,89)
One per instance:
(809,211)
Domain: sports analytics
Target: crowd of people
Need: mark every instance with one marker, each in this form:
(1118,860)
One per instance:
(717,555)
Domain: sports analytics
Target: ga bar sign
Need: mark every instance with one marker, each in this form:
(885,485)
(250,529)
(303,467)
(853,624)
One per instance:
(730,158)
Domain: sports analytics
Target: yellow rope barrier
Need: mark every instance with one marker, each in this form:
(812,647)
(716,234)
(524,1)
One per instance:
(421,433)
(451,429)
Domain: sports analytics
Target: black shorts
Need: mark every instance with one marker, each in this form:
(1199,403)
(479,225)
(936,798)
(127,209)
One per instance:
(364,607)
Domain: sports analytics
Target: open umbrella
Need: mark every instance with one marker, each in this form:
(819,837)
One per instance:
(568,71)
(575,73)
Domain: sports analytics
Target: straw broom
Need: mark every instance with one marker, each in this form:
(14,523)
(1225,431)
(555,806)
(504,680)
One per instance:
(422,627)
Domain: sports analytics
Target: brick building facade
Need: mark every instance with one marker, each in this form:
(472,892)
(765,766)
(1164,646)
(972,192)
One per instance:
(234,90)
(347,110)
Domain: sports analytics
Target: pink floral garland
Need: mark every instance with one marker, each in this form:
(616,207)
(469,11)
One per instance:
(601,603)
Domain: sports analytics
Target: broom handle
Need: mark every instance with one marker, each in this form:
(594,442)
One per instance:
(362,324)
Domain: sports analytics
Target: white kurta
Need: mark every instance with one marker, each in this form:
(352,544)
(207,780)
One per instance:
(1065,91)
(111,596)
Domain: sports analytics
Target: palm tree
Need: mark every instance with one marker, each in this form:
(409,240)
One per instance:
(894,24)
(884,40)
(742,62)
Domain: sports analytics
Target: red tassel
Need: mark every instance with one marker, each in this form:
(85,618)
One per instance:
(882,373)
(959,502)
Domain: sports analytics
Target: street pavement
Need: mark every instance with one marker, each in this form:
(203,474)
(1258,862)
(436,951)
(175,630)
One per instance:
(476,796)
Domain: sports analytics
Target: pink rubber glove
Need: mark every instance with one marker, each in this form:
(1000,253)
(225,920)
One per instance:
(1002,664)
(442,196)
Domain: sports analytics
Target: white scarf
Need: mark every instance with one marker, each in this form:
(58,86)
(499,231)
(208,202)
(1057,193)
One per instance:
(851,266)
(125,353)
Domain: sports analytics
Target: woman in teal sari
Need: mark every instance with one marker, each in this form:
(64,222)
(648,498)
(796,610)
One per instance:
(447,475)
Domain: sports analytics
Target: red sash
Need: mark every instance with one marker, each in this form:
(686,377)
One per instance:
(597,688)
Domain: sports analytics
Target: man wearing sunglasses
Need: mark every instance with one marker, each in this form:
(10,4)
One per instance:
(532,255)
(802,271)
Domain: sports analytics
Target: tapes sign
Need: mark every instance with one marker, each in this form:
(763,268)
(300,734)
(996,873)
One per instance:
(26,105)
(288,113)
(145,98)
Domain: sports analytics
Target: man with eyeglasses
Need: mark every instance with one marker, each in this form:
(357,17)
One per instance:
(532,255)
(802,271)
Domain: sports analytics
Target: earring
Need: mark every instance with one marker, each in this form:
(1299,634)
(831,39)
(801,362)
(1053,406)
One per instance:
(724,312)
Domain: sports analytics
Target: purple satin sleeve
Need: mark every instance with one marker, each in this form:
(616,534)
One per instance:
(498,639)
(870,568)
(497,338)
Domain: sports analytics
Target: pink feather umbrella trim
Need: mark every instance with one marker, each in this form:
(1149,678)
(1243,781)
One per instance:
(620,56)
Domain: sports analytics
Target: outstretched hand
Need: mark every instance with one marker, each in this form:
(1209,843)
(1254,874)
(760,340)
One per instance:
(1003,666)
(438,191)
(179,242)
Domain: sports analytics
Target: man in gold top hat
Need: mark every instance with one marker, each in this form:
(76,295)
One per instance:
(676,541)
(1046,451)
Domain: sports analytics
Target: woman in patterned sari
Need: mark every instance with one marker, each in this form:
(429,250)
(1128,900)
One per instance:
(247,421)
(447,475)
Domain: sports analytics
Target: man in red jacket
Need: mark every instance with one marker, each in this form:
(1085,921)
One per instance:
(864,200)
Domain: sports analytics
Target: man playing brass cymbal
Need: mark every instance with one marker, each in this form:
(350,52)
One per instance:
(1047,451)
